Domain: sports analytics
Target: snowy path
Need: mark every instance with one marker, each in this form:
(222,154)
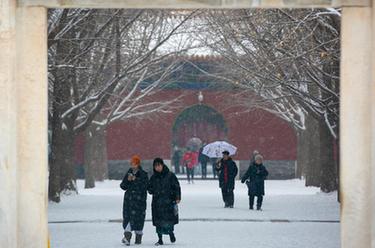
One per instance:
(293,216)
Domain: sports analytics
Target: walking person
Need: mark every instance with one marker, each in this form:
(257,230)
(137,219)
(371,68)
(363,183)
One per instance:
(135,184)
(213,163)
(176,158)
(254,178)
(190,160)
(203,159)
(166,195)
(255,152)
(228,170)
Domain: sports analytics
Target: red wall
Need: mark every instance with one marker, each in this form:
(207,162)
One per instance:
(258,129)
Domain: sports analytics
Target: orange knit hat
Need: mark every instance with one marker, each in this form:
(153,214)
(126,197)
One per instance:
(136,160)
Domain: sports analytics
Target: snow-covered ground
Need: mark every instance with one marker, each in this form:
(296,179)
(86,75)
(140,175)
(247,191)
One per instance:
(292,216)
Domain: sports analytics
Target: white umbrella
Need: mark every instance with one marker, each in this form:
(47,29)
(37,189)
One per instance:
(215,149)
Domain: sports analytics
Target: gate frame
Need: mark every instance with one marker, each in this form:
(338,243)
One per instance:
(24,106)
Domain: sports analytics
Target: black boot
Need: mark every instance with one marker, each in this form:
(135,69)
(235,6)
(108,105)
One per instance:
(138,239)
(160,241)
(127,237)
(172,237)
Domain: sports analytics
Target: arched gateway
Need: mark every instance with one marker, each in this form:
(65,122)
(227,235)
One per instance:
(199,121)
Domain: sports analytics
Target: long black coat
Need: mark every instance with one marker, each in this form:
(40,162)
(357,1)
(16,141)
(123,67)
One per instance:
(165,190)
(135,198)
(256,175)
(229,167)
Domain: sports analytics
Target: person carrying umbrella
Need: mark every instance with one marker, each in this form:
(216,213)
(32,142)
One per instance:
(214,150)
(227,170)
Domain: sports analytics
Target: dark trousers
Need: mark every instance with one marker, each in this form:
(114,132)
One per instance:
(190,173)
(259,200)
(204,169)
(176,167)
(228,196)
(214,170)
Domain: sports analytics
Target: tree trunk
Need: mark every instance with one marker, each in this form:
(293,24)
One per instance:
(54,167)
(66,161)
(302,149)
(89,158)
(95,156)
(312,165)
(101,171)
(327,160)
(331,66)
(62,173)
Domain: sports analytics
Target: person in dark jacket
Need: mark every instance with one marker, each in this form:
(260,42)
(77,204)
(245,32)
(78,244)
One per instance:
(252,159)
(227,170)
(203,159)
(135,184)
(176,158)
(166,194)
(254,177)
(213,163)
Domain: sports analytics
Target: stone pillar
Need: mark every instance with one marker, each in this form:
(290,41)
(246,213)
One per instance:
(32,126)
(356,129)
(23,126)
(8,127)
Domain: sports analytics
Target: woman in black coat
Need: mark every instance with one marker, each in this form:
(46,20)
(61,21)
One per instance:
(166,194)
(135,184)
(255,176)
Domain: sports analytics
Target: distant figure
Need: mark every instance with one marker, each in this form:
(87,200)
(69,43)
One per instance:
(213,163)
(135,184)
(256,173)
(166,194)
(252,159)
(203,159)
(228,170)
(182,167)
(190,160)
(176,158)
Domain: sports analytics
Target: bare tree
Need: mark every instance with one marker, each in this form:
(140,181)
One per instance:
(290,60)
(103,66)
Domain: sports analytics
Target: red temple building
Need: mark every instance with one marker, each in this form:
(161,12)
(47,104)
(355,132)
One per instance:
(204,113)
